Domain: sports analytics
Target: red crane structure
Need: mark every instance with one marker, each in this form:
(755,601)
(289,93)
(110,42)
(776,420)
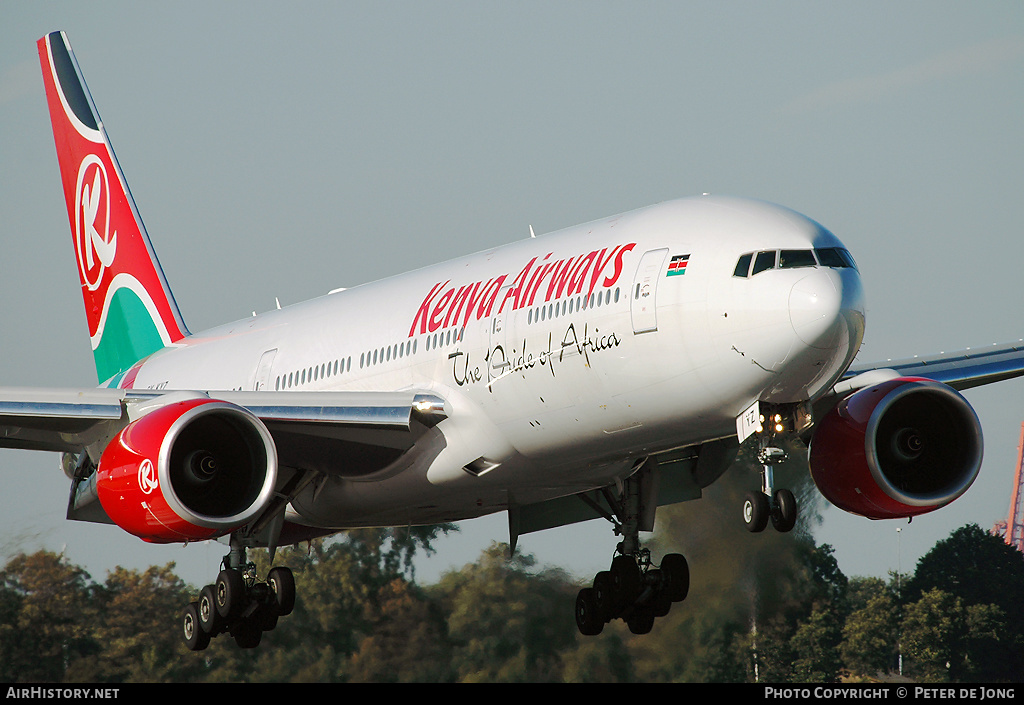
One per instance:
(1012,528)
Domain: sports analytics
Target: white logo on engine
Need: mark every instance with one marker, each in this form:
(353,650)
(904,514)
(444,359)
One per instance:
(147,476)
(94,243)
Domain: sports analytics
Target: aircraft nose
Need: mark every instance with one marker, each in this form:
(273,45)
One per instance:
(820,305)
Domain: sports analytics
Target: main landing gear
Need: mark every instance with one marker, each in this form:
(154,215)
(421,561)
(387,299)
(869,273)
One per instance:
(239,604)
(631,589)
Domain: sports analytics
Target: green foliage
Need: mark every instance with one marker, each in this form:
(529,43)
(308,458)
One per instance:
(49,606)
(931,634)
(984,578)
(871,631)
(506,622)
(789,616)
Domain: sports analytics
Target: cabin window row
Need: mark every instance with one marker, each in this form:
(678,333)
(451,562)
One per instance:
(398,351)
(572,305)
(314,373)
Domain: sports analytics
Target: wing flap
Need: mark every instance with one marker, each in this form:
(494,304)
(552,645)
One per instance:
(321,431)
(62,420)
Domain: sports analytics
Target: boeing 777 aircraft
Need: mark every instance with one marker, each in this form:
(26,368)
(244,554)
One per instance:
(599,371)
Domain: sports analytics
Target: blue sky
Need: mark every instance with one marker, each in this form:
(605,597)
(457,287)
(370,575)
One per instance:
(283,150)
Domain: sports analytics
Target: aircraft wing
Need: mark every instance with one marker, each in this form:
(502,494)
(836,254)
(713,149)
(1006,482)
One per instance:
(960,370)
(312,430)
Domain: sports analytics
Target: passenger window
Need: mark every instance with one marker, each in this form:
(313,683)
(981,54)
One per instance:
(789,259)
(765,260)
(743,265)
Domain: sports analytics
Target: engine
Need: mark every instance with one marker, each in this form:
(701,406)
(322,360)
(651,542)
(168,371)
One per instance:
(189,470)
(898,449)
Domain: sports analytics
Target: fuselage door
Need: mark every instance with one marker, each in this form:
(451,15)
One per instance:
(642,303)
(261,381)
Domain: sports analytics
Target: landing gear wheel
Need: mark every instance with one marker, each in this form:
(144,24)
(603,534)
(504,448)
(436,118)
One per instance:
(641,621)
(247,634)
(784,511)
(660,605)
(230,593)
(195,638)
(604,595)
(588,617)
(756,511)
(625,581)
(282,582)
(210,619)
(632,590)
(676,572)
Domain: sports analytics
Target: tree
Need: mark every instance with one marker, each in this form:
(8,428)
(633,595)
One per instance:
(48,611)
(408,641)
(508,624)
(931,636)
(870,632)
(606,659)
(983,572)
(136,629)
(815,646)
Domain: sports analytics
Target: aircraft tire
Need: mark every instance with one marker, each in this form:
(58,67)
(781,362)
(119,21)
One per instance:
(604,595)
(282,583)
(756,511)
(626,582)
(676,572)
(784,511)
(209,618)
(230,593)
(588,618)
(247,634)
(641,621)
(195,638)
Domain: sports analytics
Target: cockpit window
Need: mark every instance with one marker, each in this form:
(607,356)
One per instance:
(788,259)
(765,260)
(743,265)
(835,257)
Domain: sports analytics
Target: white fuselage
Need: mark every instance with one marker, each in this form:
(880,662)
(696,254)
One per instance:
(563,359)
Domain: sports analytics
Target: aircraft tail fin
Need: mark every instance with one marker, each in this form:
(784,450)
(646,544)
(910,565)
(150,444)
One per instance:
(128,304)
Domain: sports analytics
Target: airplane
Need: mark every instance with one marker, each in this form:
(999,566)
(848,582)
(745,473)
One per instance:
(599,371)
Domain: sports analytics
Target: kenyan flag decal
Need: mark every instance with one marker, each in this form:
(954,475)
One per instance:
(678,265)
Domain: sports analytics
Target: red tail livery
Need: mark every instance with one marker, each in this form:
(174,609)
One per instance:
(129,306)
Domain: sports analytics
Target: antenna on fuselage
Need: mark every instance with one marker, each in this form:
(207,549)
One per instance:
(532,234)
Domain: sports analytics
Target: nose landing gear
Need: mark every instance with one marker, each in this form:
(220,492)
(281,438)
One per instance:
(769,504)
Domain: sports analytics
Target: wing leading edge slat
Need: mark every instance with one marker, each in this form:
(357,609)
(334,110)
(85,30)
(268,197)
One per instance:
(960,370)
(69,420)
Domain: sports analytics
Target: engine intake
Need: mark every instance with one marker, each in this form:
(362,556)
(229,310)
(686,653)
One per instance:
(190,470)
(898,449)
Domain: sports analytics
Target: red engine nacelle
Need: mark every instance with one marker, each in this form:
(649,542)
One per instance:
(898,449)
(190,470)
